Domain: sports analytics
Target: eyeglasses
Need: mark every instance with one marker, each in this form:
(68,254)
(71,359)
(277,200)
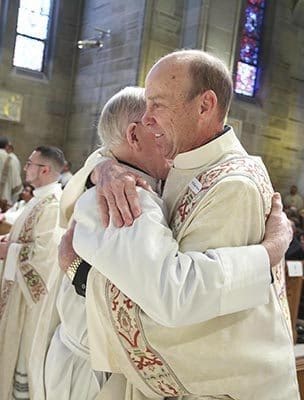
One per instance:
(29,162)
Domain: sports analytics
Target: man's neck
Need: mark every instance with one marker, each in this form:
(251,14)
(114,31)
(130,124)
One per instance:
(41,185)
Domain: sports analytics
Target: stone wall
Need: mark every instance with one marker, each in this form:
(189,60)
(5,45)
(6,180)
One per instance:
(45,100)
(272,124)
(102,72)
(64,109)
(162,32)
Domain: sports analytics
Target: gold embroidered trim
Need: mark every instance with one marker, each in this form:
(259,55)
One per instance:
(5,292)
(147,362)
(238,166)
(33,280)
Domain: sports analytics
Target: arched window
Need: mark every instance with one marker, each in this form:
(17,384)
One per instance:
(248,60)
(32,34)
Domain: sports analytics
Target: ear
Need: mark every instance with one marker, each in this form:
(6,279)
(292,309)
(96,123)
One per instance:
(131,136)
(45,170)
(208,102)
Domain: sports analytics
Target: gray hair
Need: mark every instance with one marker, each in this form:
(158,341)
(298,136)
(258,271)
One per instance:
(206,72)
(125,107)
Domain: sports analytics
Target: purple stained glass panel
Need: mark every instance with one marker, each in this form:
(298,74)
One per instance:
(245,79)
(253,22)
(259,3)
(247,66)
(249,50)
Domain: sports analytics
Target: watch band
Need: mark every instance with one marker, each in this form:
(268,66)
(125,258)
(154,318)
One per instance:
(72,269)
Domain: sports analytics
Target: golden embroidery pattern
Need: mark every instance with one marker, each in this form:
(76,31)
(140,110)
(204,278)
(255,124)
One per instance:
(6,290)
(33,280)
(150,366)
(278,273)
(237,166)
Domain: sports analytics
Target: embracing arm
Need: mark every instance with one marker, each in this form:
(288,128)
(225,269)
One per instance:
(116,193)
(144,259)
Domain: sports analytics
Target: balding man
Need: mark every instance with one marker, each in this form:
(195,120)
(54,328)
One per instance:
(217,195)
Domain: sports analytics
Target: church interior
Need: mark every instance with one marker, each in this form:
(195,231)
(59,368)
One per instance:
(61,60)
(59,97)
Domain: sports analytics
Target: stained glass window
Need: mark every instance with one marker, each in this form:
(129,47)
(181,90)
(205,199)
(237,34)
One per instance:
(248,62)
(32,34)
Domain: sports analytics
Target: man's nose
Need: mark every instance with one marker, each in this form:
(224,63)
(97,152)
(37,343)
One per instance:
(147,119)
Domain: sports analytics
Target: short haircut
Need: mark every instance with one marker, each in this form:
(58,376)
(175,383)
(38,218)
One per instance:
(68,163)
(52,154)
(3,142)
(207,72)
(125,107)
(28,185)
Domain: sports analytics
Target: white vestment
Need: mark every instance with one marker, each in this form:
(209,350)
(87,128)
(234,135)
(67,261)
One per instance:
(65,177)
(216,196)
(68,374)
(13,212)
(10,180)
(26,280)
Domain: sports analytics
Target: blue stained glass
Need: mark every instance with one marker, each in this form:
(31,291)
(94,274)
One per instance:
(247,66)
(28,53)
(245,79)
(249,50)
(253,22)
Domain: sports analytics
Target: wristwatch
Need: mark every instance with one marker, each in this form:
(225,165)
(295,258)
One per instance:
(72,269)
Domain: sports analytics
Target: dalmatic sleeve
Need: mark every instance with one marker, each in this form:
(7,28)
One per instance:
(174,288)
(35,260)
(16,182)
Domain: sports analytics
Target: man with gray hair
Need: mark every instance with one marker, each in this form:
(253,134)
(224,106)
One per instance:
(124,137)
(193,346)
(120,131)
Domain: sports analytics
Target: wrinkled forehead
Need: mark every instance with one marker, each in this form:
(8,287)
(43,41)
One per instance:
(167,77)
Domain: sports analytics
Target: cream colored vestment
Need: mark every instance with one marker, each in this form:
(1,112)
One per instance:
(10,180)
(245,355)
(26,280)
(66,372)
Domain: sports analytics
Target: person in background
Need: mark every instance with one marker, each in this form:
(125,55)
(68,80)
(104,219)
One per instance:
(29,256)
(10,149)
(66,173)
(295,250)
(293,199)
(10,216)
(10,179)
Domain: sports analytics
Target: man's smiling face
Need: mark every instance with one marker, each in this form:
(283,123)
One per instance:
(170,116)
